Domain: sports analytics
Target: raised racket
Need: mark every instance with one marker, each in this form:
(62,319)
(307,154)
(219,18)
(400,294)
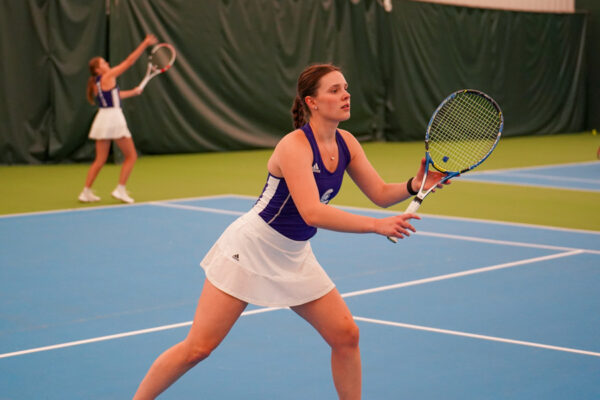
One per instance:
(462,133)
(160,60)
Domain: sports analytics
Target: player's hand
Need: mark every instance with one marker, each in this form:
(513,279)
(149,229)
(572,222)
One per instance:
(150,40)
(397,226)
(137,90)
(433,177)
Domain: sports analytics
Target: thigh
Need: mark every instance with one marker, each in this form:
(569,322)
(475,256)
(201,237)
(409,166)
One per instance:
(215,315)
(102,149)
(329,315)
(126,145)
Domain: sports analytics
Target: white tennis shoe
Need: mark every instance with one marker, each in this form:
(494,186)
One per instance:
(121,194)
(87,196)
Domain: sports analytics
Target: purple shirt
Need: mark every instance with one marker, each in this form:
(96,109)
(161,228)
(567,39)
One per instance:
(275,204)
(109,98)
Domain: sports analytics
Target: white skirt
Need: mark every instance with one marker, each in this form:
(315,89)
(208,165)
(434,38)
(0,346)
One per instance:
(254,263)
(109,123)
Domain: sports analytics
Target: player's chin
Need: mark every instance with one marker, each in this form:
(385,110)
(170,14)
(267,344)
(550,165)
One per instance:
(345,115)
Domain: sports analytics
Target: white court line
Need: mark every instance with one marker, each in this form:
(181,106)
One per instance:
(462,273)
(247,197)
(546,177)
(423,233)
(474,220)
(530,185)
(121,335)
(268,309)
(111,206)
(476,336)
(537,167)
(503,242)
(196,208)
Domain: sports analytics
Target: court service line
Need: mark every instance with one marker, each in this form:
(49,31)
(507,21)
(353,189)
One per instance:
(476,336)
(196,208)
(529,184)
(423,233)
(537,167)
(546,177)
(503,242)
(268,309)
(461,274)
(121,335)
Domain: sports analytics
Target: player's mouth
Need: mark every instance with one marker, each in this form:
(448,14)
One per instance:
(346,107)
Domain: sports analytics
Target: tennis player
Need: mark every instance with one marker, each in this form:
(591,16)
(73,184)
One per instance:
(109,123)
(265,256)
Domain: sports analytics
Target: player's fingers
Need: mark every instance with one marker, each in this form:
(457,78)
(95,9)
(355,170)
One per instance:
(407,216)
(401,232)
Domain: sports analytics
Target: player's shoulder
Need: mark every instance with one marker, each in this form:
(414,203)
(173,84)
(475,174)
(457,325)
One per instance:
(350,139)
(293,141)
(294,137)
(346,134)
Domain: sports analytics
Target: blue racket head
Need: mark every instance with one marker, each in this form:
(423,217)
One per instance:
(463,131)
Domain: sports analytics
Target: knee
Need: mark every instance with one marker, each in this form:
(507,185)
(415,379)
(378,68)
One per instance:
(131,157)
(348,336)
(99,161)
(196,352)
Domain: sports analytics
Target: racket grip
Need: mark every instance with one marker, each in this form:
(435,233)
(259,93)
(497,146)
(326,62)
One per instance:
(143,83)
(412,208)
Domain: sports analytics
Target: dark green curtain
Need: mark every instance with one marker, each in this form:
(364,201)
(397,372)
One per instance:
(531,63)
(45,47)
(592,9)
(234,79)
(237,63)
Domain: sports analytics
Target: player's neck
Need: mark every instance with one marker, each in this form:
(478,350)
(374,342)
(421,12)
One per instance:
(323,130)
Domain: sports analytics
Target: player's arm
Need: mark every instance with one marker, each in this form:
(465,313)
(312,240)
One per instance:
(370,182)
(123,94)
(293,159)
(368,179)
(109,78)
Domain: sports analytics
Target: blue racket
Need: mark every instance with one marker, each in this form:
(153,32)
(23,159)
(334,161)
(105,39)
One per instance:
(462,133)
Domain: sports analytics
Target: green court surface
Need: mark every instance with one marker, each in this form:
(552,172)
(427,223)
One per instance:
(51,187)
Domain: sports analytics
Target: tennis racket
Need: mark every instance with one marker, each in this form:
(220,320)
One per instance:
(462,132)
(161,59)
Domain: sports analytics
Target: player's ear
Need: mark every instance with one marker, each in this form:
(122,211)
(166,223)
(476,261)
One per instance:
(310,102)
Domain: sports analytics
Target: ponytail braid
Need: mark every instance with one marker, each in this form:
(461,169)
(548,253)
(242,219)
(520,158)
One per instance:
(90,91)
(298,113)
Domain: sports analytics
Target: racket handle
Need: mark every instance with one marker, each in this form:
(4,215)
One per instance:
(144,82)
(412,208)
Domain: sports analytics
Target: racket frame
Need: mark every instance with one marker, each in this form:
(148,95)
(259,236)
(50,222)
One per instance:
(152,70)
(418,199)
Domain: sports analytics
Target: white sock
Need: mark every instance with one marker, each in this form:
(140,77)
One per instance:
(121,187)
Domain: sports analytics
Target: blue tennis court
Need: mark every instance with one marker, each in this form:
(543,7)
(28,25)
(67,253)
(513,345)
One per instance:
(465,309)
(576,176)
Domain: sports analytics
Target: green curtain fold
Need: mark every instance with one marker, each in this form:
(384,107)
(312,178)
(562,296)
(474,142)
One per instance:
(234,79)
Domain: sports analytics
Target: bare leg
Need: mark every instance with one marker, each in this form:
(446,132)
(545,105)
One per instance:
(102,148)
(128,148)
(330,316)
(215,315)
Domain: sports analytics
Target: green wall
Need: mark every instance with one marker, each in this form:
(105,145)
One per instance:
(233,82)
(592,8)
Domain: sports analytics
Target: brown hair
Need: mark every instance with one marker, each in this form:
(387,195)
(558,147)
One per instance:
(308,83)
(91,84)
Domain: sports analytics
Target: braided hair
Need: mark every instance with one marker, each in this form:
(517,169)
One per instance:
(308,83)
(91,84)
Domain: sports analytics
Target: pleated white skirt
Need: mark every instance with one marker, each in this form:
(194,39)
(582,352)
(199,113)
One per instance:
(254,263)
(109,123)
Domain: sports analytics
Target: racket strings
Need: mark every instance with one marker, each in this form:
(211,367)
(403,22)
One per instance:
(161,58)
(463,132)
